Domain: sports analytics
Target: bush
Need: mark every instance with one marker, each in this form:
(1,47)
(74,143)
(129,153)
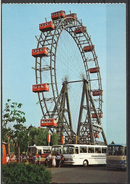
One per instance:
(23,173)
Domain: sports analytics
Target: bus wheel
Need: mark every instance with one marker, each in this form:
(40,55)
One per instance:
(85,163)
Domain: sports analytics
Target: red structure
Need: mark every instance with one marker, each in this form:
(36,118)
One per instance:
(97,93)
(40,87)
(47,26)
(100,115)
(57,15)
(48,138)
(80,29)
(4,161)
(70,16)
(94,70)
(39,52)
(49,122)
(88,48)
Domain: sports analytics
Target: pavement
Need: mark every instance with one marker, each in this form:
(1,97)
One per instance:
(80,174)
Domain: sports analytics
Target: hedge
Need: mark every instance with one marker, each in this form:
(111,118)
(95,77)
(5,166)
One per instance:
(23,173)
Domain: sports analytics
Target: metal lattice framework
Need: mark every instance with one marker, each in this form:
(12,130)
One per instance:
(59,98)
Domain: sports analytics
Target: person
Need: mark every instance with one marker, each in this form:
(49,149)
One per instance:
(34,159)
(58,160)
(54,160)
(61,161)
(12,158)
(21,158)
(27,160)
(7,158)
(49,160)
(39,159)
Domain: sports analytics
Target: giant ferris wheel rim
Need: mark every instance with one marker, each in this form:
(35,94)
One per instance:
(54,80)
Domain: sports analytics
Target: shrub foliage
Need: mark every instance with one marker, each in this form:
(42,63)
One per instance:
(22,173)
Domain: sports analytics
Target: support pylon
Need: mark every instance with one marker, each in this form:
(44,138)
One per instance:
(87,128)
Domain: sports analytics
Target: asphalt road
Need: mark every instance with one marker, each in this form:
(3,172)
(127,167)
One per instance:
(90,174)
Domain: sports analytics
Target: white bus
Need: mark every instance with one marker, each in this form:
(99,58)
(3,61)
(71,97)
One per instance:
(77,154)
(116,156)
(43,151)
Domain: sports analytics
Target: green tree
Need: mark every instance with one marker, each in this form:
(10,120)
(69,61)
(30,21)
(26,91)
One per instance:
(13,114)
(41,137)
(37,136)
(54,139)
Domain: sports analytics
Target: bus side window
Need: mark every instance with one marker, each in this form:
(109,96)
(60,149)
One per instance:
(104,150)
(91,150)
(97,150)
(81,150)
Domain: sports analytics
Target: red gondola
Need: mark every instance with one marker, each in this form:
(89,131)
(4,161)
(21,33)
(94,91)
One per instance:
(94,70)
(88,48)
(40,87)
(58,15)
(70,16)
(96,135)
(97,93)
(80,29)
(47,26)
(100,115)
(48,122)
(39,52)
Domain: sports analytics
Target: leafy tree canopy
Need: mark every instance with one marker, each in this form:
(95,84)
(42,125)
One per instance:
(54,139)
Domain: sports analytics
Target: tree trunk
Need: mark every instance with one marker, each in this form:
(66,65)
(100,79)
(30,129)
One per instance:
(18,152)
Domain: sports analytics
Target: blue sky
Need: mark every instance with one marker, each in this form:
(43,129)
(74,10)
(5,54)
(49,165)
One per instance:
(106,23)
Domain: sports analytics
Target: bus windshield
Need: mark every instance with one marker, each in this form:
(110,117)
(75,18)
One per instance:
(116,150)
(68,150)
(32,151)
(56,150)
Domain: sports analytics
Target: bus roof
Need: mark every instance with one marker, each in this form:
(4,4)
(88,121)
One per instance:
(38,146)
(85,145)
(117,145)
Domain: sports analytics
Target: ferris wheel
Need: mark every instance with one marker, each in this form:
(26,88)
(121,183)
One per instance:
(68,80)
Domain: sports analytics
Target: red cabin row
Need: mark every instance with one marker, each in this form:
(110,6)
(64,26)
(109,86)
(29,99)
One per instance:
(47,26)
(48,122)
(100,115)
(97,93)
(88,48)
(58,15)
(70,16)
(40,87)
(94,70)
(80,29)
(39,52)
